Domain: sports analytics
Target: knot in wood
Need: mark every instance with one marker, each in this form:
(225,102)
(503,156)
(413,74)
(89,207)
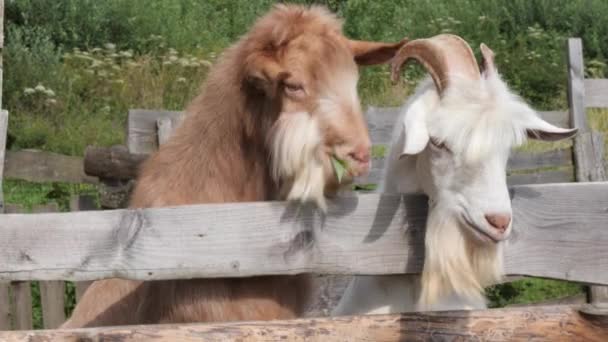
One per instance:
(131,224)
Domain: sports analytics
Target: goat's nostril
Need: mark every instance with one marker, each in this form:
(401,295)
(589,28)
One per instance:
(361,155)
(499,221)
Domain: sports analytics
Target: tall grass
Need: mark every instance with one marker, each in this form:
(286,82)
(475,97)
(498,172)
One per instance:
(92,95)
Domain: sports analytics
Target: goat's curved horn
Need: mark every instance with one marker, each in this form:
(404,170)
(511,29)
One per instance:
(488,58)
(443,56)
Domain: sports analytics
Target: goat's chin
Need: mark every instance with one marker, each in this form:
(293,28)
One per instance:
(456,263)
(297,160)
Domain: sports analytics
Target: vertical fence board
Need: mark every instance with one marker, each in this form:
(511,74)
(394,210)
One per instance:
(165,128)
(5,311)
(3,130)
(22,305)
(52,293)
(82,203)
(588,145)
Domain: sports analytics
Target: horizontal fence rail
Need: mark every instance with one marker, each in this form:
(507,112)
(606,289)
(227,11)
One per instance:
(560,231)
(540,323)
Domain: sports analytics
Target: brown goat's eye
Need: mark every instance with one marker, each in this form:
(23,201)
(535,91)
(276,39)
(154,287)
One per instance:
(439,144)
(294,89)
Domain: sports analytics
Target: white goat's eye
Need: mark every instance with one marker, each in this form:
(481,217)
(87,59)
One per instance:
(439,144)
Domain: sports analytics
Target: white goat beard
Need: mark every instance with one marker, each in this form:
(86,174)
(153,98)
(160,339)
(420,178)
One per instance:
(455,265)
(296,140)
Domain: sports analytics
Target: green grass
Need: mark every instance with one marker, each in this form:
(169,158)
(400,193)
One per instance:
(530,290)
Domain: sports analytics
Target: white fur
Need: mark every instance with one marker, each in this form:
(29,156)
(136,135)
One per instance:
(479,121)
(296,141)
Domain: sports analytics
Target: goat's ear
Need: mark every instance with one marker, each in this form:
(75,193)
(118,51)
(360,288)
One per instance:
(370,53)
(264,73)
(415,135)
(539,129)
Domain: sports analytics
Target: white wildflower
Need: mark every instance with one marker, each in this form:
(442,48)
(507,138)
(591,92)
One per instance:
(29,91)
(110,46)
(49,92)
(40,88)
(181,80)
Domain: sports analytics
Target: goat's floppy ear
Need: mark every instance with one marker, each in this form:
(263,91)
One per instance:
(264,73)
(415,134)
(541,130)
(370,53)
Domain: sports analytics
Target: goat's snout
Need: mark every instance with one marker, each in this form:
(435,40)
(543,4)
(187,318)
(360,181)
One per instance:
(361,154)
(499,221)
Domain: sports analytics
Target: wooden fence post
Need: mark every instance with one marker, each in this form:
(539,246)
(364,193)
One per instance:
(5,313)
(52,293)
(82,203)
(588,145)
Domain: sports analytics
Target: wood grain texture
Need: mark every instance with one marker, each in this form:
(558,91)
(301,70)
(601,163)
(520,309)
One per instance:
(142,136)
(5,306)
(3,132)
(546,323)
(165,128)
(111,162)
(588,145)
(559,233)
(541,177)
(52,302)
(21,306)
(143,127)
(51,292)
(589,157)
(117,163)
(41,166)
(596,93)
(82,203)
(576,85)
(520,160)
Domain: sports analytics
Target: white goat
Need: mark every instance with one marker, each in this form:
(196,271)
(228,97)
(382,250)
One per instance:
(452,142)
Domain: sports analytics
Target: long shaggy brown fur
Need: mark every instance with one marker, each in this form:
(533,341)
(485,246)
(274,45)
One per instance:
(220,153)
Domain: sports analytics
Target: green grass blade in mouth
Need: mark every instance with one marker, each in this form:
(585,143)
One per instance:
(340,167)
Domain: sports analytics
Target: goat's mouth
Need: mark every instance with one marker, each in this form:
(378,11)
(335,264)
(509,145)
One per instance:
(346,168)
(478,232)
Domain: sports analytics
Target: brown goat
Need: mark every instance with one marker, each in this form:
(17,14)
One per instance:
(277,105)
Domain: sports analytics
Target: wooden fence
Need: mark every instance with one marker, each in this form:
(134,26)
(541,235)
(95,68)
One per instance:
(560,232)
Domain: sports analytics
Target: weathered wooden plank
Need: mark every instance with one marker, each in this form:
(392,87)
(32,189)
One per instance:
(541,177)
(51,292)
(142,137)
(559,233)
(112,162)
(40,166)
(520,160)
(1,47)
(596,93)
(3,131)
(52,302)
(589,157)
(22,305)
(539,323)
(576,85)
(380,121)
(117,163)
(82,203)
(588,145)
(5,306)
(165,128)
(558,118)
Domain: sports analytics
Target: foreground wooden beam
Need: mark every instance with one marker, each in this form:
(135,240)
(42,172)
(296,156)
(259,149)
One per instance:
(550,323)
(560,231)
